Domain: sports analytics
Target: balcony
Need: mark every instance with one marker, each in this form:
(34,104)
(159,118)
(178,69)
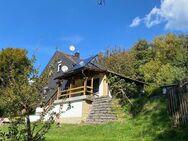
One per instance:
(77,91)
(79,87)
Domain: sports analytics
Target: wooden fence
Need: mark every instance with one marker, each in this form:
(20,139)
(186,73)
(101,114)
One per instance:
(178,103)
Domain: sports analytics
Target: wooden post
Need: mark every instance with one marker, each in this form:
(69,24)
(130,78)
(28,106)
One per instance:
(58,90)
(50,102)
(70,88)
(85,85)
(92,85)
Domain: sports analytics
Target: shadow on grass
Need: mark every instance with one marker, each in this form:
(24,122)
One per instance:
(162,124)
(173,134)
(151,115)
(138,105)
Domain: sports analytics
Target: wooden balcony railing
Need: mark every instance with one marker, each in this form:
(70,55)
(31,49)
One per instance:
(50,101)
(78,91)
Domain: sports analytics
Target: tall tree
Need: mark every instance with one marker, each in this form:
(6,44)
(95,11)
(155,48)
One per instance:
(12,59)
(119,61)
(21,95)
(162,61)
(170,49)
(142,53)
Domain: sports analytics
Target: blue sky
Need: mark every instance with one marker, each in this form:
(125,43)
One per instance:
(45,25)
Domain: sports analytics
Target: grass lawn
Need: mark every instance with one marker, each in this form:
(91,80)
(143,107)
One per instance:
(152,124)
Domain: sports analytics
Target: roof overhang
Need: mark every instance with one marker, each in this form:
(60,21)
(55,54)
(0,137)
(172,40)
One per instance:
(81,71)
(127,78)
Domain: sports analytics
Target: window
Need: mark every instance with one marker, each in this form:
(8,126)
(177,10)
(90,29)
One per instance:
(96,83)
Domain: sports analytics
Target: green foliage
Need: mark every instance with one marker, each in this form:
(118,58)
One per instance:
(150,70)
(21,95)
(118,109)
(117,84)
(17,131)
(12,59)
(122,89)
(170,49)
(162,61)
(142,54)
(158,74)
(168,74)
(118,61)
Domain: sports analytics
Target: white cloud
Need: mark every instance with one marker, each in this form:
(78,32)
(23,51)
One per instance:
(171,12)
(153,18)
(136,22)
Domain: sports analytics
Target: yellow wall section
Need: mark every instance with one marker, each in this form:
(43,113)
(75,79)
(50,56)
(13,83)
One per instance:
(85,109)
(105,86)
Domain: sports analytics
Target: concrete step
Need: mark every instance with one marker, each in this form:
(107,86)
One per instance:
(101,111)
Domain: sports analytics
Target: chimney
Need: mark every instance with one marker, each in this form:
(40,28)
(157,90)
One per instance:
(77,55)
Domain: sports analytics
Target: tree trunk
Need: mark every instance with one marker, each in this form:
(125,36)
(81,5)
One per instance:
(28,127)
(125,96)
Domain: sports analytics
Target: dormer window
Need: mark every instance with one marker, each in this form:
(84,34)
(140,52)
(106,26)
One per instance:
(59,66)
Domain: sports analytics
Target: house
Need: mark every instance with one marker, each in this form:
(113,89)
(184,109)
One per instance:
(78,89)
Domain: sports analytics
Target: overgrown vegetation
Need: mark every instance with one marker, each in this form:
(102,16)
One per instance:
(160,62)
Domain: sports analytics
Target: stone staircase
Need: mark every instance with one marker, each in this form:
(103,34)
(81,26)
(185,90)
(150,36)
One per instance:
(101,111)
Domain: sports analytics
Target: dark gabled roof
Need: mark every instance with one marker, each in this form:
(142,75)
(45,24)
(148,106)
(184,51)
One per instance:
(81,64)
(91,64)
(56,54)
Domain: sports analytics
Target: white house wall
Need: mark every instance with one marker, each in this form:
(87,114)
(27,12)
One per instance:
(101,87)
(65,111)
(74,111)
(34,118)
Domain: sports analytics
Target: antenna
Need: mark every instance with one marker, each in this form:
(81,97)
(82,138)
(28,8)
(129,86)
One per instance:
(57,48)
(101,2)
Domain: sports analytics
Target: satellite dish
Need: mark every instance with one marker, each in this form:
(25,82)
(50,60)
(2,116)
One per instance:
(64,68)
(72,48)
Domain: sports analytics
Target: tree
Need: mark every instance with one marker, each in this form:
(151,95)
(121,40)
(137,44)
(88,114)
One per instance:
(122,89)
(158,74)
(18,60)
(142,53)
(119,61)
(170,49)
(162,61)
(169,74)
(20,96)
(11,59)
